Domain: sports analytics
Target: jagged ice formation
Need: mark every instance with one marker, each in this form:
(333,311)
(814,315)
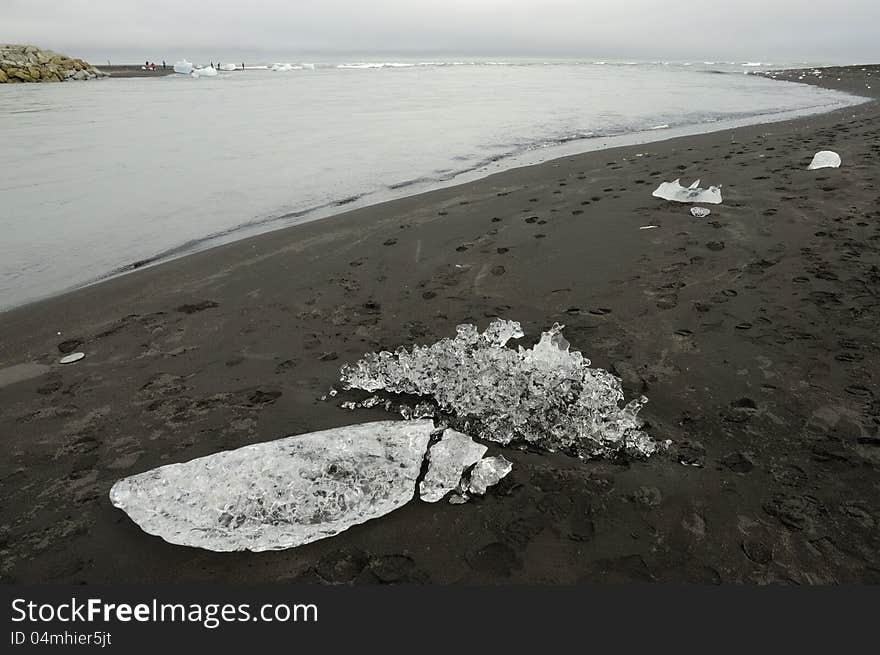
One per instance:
(546,396)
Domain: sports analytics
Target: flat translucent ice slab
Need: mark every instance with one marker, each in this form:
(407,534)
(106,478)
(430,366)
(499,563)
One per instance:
(280,494)
(183,66)
(674,192)
(824,159)
(448,459)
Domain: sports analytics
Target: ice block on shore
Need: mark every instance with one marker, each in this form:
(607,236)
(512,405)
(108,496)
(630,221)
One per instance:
(487,473)
(824,159)
(546,396)
(675,192)
(448,459)
(280,494)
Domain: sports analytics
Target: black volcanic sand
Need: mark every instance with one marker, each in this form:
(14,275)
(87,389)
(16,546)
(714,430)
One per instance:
(118,70)
(754,333)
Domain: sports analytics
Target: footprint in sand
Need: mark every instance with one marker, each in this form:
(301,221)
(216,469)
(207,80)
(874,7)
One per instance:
(197,307)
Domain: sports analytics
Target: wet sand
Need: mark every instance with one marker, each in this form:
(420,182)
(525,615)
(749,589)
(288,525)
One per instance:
(753,332)
(136,70)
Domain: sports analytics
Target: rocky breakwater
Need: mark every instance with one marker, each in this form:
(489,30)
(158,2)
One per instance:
(27,63)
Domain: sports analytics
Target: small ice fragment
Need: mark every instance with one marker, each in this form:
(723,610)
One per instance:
(487,473)
(283,493)
(825,159)
(700,212)
(675,192)
(448,459)
(228,67)
(458,498)
(500,332)
(649,227)
(421,410)
(71,358)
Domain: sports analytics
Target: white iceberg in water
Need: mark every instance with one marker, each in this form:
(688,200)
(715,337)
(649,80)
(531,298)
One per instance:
(205,72)
(184,67)
(283,493)
(285,67)
(228,67)
(824,159)
(674,192)
(448,459)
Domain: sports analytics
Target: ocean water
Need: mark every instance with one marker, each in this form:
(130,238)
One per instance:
(100,177)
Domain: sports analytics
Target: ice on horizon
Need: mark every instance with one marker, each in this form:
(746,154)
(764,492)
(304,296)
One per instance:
(546,396)
(675,192)
(184,67)
(210,71)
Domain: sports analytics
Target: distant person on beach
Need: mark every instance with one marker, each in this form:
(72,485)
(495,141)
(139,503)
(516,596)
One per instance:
(242,65)
(163,64)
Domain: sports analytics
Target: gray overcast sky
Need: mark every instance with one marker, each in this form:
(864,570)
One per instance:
(844,30)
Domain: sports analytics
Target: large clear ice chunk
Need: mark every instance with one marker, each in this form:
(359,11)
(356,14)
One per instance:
(448,459)
(283,493)
(675,192)
(546,396)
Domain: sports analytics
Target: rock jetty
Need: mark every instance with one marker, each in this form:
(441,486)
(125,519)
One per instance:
(27,63)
